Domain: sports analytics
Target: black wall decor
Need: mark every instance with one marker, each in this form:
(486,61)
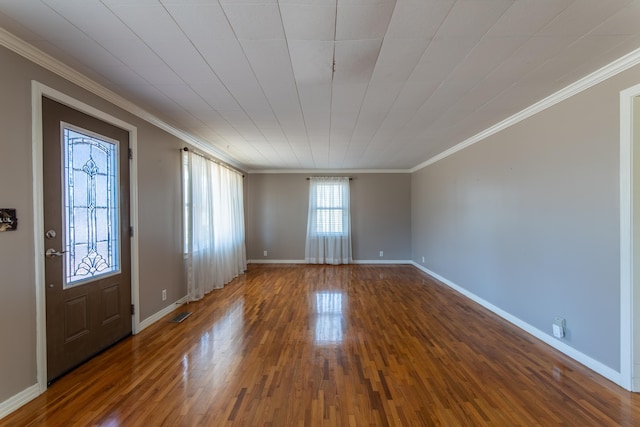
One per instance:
(8,220)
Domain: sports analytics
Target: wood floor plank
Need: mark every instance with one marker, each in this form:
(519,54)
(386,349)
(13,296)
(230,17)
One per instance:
(359,345)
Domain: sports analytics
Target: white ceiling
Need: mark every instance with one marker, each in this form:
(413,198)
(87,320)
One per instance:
(255,79)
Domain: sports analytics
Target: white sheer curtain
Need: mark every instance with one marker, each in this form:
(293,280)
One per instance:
(329,221)
(213,225)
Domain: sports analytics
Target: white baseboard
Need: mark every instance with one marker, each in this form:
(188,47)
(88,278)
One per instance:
(578,356)
(378,261)
(301,261)
(276,261)
(159,315)
(13,403)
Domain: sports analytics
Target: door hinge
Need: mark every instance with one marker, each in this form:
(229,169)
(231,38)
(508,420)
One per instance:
(133,309)
(130,154)
(131,231)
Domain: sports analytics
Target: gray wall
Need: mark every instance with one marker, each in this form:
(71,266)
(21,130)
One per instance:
(159,213)
(380,216)
(159,220)
(528,219)
(17,291)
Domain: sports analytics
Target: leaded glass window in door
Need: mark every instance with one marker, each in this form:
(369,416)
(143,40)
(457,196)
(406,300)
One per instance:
(91,207)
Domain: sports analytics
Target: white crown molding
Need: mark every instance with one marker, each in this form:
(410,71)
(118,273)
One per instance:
(38,57)
(46,61)
(619,65)
(331,171)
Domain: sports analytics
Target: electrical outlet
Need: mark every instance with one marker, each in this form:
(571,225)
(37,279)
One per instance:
(164,295)
(265,253)
(422,259)
(559,325)
(381,253)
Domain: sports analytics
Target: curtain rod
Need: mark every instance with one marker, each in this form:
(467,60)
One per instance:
(218,162)
(309,177)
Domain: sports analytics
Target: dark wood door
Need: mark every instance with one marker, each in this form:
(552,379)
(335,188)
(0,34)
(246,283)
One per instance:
(87,237)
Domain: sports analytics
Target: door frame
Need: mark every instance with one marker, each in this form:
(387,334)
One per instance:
(38,90)
(629,280)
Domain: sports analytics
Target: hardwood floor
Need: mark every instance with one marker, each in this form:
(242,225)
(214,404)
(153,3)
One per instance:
(332,346)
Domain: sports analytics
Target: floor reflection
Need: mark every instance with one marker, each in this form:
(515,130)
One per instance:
(219,349)
(329,319)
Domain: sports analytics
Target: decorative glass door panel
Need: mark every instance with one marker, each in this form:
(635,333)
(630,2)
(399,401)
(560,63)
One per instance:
(91,208)
(85,165)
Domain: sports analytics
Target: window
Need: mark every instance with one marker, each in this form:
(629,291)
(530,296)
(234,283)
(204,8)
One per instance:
(329,223)
(330,209)
(186,204)
(91,208)
(213,210)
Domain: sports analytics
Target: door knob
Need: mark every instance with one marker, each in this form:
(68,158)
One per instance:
(51,253)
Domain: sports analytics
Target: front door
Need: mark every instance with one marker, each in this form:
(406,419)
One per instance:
(87,238)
